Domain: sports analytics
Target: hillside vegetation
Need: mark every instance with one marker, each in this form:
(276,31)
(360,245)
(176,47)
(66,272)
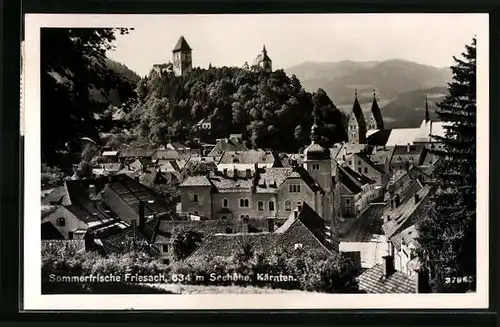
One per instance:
(272,111)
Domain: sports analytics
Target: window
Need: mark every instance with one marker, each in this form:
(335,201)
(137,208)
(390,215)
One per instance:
(195,198)
(350,162)
(299,203)
(260,206)
(366,170)
(271,205)
(359,162)
(164,248)
(244,203)
(195,212)
(223,217)
(225,203)
(297,246)
(166,261)
(294,188)
(315,166)
(347,202)
(70,235)
(288,205)
(359,170)
(61,222)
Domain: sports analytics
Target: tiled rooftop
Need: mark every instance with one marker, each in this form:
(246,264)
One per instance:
(373,281)
(248,157)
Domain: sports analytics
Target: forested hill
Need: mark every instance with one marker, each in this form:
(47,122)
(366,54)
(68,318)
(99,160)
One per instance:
(272,111)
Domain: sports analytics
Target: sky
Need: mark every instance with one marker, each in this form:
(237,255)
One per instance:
(232,40)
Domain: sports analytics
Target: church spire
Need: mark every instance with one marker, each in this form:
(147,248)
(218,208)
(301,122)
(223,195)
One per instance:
(377,113)
(427,117)
(264,51)
(314,130)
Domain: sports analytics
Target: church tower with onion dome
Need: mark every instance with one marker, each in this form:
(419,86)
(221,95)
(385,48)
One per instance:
(318,163)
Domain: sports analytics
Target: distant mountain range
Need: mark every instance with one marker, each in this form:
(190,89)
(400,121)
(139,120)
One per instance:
(389,78)
(401,86)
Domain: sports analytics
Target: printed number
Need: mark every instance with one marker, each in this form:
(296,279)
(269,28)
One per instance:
(179,278)
(458,280)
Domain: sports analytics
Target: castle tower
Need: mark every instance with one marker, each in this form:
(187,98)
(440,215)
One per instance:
(357,125)
(263,61)
(376,120)
(182,57)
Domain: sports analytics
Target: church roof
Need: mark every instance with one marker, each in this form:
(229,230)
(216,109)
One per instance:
(358,113)
(317,152)
(377,114)
(181,45)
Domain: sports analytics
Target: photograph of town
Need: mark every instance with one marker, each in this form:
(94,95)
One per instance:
(257,154)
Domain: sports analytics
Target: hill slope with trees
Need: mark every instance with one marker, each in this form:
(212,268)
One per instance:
(272,111)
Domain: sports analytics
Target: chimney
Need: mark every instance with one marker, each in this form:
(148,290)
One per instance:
(89,240)
(417,198)
(299,207)
(270,225)
(142,217)
(345,151)
(224,172)
(421,281)
(92,192)
(387,218)
(388,265)
(295,213)
(408,147)
(235,173)
(249,173)
(256,167)
(375,149)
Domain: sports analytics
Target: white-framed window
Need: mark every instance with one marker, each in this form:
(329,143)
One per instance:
(243,217)
(366,170)
(61,221)
(288,205)
(260,206)
(347,202)
(195,198)
(244,203)
(271,205)
(225,203)
(315,166)
(294,188)
(223,217)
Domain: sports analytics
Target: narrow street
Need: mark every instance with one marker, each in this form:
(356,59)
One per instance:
(366,226)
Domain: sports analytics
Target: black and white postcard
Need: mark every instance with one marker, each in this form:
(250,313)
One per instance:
(255,161)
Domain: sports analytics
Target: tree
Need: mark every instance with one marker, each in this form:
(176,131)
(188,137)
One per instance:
(448,233)
(76,85)
(185,243)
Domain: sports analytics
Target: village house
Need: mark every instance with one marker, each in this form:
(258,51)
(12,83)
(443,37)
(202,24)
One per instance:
(362,164)
(227,144)
(243,160)
(405,156)
(262,192)
(132,153)
(357,192)
(303,229)
(103,201)
(203,124)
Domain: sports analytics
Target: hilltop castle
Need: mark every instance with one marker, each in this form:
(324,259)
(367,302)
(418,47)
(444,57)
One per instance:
(183,64)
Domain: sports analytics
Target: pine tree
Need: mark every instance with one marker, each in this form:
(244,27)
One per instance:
(448,233)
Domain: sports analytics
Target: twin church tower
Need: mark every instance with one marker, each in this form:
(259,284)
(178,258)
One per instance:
(183,62)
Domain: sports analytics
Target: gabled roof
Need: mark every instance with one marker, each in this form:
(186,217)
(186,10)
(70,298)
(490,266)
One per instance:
(406,214)
(373,281)
(196,181)
(369,162)
(119,242)
(348,181)
(132,152)
(407,236)
(56,196)
(181,45)
(359,177)
(91,211)
(132,192)
(402,136)
(306,228)
(249,157)
(226,145)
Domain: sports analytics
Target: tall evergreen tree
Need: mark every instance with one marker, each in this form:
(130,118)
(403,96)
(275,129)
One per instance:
(448,233)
